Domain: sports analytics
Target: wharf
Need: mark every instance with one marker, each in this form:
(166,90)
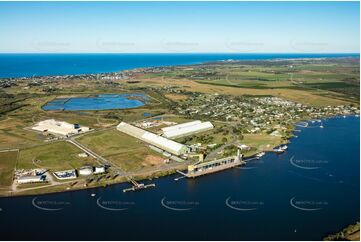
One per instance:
(213,166)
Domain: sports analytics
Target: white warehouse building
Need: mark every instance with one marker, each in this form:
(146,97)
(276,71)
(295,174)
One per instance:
(86,170)
(185,129)
(153,139)
(59,127)
(30,179)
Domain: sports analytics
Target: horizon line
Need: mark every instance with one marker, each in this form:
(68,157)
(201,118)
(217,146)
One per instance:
(236,53)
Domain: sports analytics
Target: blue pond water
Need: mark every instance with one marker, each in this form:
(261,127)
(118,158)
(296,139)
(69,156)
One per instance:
(147,114)
(99,102)
(276,200)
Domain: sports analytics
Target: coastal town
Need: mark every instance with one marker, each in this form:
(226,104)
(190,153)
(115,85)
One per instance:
(180,120)
(175,128)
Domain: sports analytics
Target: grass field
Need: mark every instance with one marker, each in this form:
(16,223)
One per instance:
(7,166)
(54,156)
(308,97)
(176,97)
(263,142)
(320,82)
(125,151)
(13,135)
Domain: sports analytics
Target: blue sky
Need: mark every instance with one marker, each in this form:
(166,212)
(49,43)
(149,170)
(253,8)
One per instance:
(264,27)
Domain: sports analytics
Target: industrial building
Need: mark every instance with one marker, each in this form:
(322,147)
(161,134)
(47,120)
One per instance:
(203,168)
(65,175)
(99,170)
(153,139)
(86,171)
(179,126)
(59,127)
(31,179)
(185,129)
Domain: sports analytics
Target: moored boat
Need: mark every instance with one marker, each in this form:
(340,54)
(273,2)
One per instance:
(259,155)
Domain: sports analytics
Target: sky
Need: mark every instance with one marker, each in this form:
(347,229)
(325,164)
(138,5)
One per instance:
(179,27)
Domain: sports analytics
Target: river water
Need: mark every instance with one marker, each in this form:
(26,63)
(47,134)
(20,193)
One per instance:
(303,194)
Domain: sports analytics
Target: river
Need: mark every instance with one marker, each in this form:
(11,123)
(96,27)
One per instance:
(303,194)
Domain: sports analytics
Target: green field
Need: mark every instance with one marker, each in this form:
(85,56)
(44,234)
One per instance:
(54,156)
(336,79)
(124,150)
(263,142)
(7,166)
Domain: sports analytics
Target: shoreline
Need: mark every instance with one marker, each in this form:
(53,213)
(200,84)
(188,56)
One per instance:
(350,232)
(155,175)
(203,62)
(140,177)
(151,177)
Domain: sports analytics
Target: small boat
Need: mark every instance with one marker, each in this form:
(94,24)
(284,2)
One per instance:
(278,150)
(344,116)
(321,126)
(259,155)
(93,194)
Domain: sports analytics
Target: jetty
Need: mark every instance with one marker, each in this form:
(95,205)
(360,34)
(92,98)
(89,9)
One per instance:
(137,186)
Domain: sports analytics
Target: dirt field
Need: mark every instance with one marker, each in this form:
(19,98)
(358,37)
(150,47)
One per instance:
(176,97)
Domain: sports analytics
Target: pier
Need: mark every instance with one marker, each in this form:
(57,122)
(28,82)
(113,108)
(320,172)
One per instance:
(137,186)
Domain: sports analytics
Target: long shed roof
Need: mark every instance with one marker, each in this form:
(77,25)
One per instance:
(153,139)
(187,129)
(179,126)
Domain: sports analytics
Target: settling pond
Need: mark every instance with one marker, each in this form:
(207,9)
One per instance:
(97,102)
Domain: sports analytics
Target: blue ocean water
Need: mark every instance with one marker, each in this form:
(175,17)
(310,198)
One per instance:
(28,65)
(99,102)
(268,199)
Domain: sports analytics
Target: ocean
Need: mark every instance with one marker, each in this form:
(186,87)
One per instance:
(29,65)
